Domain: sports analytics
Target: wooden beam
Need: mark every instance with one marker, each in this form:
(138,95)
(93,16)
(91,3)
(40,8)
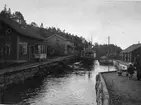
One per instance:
(17,47)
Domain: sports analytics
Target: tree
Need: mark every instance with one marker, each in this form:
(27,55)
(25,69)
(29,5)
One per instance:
(34,24)
(103,50)
(41,26)
(9,11)
(58,30)
(19,18)
(5,9)
(6,13)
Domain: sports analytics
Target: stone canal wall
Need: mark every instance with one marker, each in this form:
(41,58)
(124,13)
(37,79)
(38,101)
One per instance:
(102,95)
(18,74)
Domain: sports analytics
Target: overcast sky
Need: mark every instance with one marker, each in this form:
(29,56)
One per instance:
(121,20)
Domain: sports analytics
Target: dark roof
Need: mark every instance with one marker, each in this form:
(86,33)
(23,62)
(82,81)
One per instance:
(17,28)
(131,48)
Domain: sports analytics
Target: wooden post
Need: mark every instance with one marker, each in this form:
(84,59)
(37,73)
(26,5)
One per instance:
(17,47)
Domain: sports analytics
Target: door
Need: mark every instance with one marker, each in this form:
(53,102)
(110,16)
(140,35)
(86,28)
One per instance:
(31,52)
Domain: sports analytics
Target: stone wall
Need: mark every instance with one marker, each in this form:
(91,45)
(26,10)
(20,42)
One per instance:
(10,78)
(102,95)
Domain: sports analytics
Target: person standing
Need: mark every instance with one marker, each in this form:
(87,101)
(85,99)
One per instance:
(130,71)
(138,67)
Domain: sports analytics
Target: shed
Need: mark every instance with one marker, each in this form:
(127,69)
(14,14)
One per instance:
(130,53)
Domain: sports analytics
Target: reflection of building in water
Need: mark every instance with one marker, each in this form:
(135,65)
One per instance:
(87,65)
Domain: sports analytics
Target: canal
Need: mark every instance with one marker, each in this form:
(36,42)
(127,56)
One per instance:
(67,88)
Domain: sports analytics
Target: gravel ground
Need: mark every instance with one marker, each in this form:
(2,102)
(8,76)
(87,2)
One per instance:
(123,91)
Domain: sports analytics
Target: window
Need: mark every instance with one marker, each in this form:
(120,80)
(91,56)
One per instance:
(8,31)
(23,46)
(7,48)
(39,49)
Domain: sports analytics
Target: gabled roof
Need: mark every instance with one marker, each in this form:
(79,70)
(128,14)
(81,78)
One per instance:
(131,48)
(56,35)
(17,28)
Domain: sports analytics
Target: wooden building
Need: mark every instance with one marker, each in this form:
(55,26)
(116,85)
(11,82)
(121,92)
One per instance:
(130,53)
(59,45)
(17,43)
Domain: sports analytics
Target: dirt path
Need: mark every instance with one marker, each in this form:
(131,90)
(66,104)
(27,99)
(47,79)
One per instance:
(123,91)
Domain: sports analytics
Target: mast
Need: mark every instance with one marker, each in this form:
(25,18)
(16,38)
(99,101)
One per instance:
(108,49)
(91,39)
(108,40)
(108,45)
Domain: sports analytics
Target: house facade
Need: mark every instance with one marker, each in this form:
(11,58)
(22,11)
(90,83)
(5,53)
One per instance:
(130,53)
(59,45)
(18,44)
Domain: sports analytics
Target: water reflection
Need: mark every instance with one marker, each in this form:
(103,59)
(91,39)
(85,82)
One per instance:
(68,88)
(89,74)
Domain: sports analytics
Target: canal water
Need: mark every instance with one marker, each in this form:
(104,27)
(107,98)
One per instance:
(68,88)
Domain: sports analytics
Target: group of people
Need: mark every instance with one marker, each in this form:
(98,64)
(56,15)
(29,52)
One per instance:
(136,66)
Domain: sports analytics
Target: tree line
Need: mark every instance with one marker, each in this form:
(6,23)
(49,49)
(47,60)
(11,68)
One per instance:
(110,50)
(42,30)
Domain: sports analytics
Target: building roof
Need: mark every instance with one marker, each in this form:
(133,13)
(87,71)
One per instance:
(17,27)
(131,48)
(68,42)
(56,35)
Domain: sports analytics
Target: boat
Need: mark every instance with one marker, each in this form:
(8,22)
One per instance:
(88,53)
(76,66)
(105,61)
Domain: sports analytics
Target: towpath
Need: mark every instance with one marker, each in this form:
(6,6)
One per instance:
(123,91)
(30,64)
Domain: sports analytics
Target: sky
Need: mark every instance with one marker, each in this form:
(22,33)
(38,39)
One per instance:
(121,20)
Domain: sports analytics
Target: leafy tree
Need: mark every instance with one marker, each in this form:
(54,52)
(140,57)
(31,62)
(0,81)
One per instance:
(9,11)
(6,13)
(19,18)
(105,50)
(41,26)
(5,9)
(34,24)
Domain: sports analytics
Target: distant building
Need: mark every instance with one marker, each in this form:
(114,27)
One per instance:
(17,44)
(59,45)
(130,53)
